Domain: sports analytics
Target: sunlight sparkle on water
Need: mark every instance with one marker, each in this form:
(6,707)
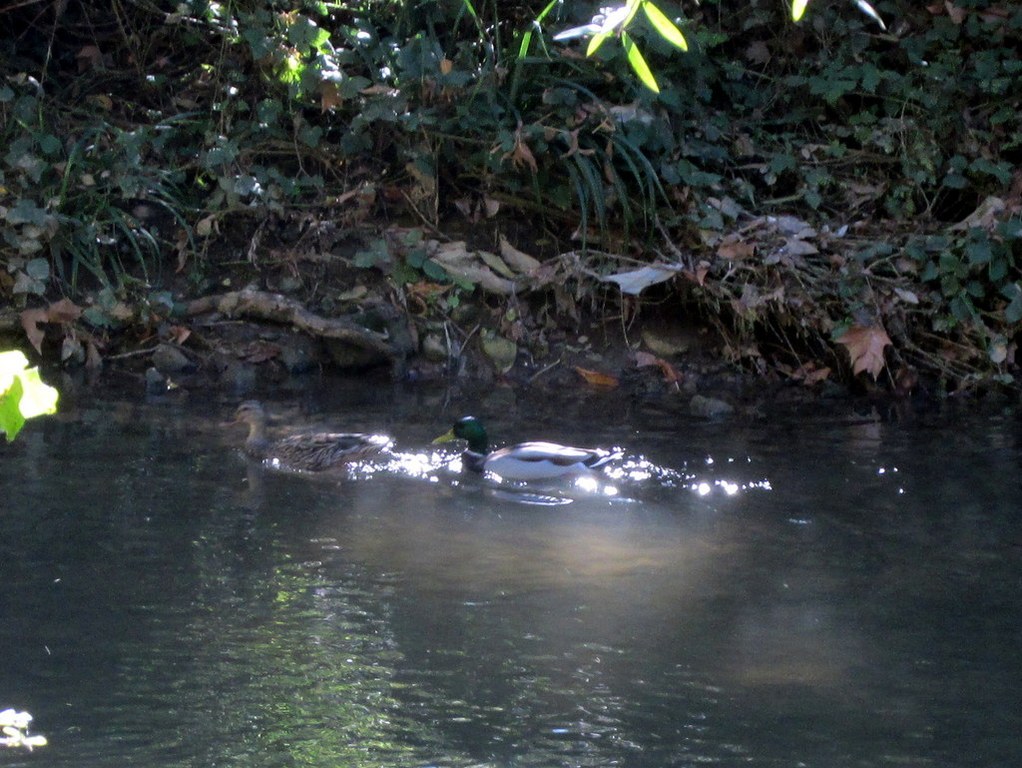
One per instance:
(422,465)
(640,469)
(729,487)
(593,485)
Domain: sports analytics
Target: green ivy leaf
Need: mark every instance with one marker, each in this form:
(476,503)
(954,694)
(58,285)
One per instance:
(1000,171)
(433,271)
(1013,312)
(310,135)
(50,145)
(416,257)
(962,308)
(25,211)
(38,269)
(978,251)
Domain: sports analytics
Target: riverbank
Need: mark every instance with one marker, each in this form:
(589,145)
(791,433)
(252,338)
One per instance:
(683,329)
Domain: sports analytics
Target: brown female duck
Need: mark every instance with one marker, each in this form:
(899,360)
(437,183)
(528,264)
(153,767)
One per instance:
(307,451)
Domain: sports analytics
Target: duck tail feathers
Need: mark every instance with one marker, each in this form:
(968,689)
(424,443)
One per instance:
(600,457)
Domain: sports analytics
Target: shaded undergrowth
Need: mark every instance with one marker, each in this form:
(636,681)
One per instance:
(803,181)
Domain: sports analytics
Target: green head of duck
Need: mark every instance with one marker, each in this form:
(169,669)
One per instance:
(471,431)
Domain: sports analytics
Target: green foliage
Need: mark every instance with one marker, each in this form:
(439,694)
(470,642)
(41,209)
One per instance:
(616,21)
(268,109)
(406,259)
(975,275)
(23,395)
(94,202)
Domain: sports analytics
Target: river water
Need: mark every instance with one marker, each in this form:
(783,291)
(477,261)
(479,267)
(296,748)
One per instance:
(820,590)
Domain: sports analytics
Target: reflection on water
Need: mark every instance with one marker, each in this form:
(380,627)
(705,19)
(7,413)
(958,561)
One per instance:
(768,594)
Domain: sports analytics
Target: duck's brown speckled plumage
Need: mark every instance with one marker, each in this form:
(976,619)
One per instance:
(309,451)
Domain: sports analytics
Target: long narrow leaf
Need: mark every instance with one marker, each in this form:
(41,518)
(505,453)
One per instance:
(642,171)
(571,34)
(591,175)
(633,8)
(583,202)
(549,7)
(798,8)
(870,11)
(467,5)
(638,63)
(523,49)
(595,42)
(621,195)
(664,26)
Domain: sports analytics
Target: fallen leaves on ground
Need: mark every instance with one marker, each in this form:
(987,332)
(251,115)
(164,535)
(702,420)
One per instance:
(866,346)
(596,378)
(63,311)
(670,373)
(807,373)
(634,281)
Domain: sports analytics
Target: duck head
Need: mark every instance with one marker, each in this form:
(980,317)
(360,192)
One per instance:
(471,431)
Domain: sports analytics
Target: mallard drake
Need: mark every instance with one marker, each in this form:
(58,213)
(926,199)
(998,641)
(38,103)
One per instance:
(525,461)
(309,451)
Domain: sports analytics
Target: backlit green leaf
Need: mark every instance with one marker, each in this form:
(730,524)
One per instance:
(595,42)
(664,26)
(22,393)
(798,8)
(633,8)
(638,62)
(11,420)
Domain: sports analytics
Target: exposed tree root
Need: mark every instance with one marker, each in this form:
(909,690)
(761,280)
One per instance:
(260,305)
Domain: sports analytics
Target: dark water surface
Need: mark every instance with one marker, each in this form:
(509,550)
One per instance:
(781,592)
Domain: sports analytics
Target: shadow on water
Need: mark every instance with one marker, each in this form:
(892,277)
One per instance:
(765,594)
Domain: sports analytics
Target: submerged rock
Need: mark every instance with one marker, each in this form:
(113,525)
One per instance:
(709,407)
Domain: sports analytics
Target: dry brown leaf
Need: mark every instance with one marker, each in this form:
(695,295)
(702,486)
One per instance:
(866,348)
(494,262)
(758,53)
(736,250)
(179,334)
(518,260)
(63,311)
(101,101)
(89,57)
(260,352)
(93,359)
(329,97)
(670,373)
(698,275)
(426,289)
(30,321)
(956,14)
(635,280)
(808,374)
(597,379)
(457,260)
(986,215)
(645,359)
(521,155)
